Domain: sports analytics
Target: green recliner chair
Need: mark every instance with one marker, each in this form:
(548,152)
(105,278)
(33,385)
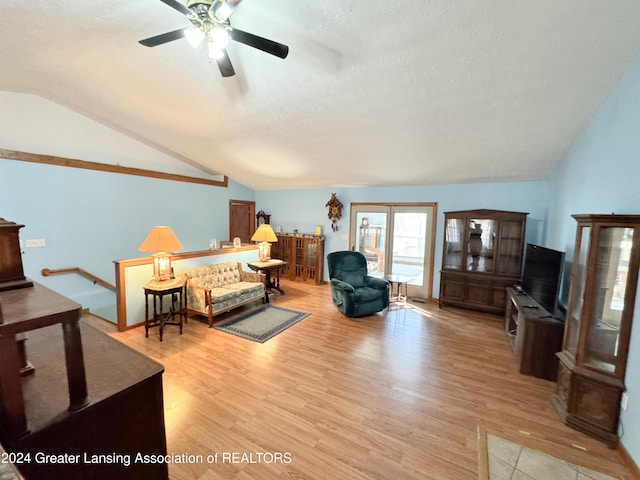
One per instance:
(353,291)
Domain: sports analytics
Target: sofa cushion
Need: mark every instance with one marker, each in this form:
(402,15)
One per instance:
(223,294)
(242,288)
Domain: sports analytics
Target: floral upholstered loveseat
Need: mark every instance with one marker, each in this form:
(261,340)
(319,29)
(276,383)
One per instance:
(218,288)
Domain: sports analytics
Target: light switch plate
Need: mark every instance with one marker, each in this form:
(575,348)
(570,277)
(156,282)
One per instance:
(35,242)
(624,401)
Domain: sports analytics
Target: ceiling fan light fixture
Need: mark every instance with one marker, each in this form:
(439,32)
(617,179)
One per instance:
(219,37)
(221,10)
(194,36)
(210,20)
(215,52)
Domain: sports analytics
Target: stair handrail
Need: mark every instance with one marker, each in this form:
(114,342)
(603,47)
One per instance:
(46,272)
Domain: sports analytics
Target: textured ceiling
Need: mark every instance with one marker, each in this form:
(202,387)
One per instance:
(372,93)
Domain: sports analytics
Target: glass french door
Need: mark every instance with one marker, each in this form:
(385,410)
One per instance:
(396,239)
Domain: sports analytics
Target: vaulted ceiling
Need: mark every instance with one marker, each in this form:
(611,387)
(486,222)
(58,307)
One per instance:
(378,92)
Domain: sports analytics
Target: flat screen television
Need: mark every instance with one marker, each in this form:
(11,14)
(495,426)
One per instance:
(541,275)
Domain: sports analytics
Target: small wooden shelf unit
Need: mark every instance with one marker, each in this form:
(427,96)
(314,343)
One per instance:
(304,255)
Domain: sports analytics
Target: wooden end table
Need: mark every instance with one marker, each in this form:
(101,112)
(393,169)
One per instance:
(177,313)
(271,270)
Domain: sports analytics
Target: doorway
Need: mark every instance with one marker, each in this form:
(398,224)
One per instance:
(397,239)
(242,219)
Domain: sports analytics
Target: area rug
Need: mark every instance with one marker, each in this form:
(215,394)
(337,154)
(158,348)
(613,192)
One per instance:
(516,455)
(263,323)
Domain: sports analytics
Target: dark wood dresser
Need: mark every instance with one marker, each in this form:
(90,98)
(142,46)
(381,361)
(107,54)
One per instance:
(122,413)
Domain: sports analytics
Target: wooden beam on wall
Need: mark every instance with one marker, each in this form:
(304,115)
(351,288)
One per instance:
(105,167)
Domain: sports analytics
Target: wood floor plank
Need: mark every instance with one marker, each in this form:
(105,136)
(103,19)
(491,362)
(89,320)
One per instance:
(396,395)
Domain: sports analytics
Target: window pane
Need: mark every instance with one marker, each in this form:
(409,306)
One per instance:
(371,240)
(409,233)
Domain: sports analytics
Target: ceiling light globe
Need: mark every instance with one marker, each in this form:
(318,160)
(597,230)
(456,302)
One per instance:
(223,12)
(220,37)
(215,53)
(194,36)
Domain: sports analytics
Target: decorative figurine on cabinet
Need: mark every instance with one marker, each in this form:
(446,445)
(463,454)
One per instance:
(335,211)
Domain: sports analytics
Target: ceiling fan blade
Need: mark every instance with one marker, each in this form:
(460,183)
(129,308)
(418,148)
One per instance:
(164,38)
(269,46)
(178,6)
(222,9)
(224,64)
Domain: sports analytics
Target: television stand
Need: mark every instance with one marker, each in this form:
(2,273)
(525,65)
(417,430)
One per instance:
(535,335)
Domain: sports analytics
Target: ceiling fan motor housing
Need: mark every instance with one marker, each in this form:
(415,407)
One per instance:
(207,3)
(200,8)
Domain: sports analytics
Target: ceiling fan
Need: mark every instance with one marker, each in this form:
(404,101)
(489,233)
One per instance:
(211,22)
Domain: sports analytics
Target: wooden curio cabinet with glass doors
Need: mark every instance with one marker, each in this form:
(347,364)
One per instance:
(304,254)
(482,255)
(602,294)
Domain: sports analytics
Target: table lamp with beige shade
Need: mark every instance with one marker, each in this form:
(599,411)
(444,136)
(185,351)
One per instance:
(264,234)
(162,242)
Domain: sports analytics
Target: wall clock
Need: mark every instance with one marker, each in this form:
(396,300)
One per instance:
(335,211)
(262,217)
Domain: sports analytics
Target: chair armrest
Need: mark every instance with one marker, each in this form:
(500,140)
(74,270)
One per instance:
(340,285)
(375,282)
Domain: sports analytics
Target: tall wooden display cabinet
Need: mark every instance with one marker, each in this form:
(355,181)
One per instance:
(602,295)
(482,255)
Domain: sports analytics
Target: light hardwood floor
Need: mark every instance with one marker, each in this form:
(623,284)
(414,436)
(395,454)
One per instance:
(398,395)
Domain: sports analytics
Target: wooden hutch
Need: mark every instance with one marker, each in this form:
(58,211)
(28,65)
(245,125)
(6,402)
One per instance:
(483,253)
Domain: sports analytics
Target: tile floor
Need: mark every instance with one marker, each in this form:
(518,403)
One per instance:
(511,461)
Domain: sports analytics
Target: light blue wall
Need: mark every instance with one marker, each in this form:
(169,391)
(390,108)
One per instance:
(601,174)
(89,219)
(304,209)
